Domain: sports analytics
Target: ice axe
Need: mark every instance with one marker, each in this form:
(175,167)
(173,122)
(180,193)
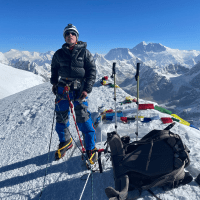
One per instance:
(137,79)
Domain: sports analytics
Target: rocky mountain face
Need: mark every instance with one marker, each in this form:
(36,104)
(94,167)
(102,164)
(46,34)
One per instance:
(197,59)
(119,54)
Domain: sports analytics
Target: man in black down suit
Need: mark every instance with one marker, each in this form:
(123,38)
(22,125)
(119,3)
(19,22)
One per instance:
(73,65)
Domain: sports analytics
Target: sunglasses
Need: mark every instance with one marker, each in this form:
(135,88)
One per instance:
(68,33)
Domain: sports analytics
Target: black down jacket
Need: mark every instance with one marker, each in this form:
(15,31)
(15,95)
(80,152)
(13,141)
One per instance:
(78,63)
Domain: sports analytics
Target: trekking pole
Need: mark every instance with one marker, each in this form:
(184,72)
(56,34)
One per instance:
(137,79)
(48,154)
(99,108)
(85,185)
(114,75)
(90,173)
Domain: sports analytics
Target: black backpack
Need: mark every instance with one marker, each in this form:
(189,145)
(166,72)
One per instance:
(158,159)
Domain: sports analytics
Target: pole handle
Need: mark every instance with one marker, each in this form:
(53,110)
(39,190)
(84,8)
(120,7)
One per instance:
(137,72)
(113,69)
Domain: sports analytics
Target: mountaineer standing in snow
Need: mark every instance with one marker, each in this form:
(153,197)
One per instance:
(73,65)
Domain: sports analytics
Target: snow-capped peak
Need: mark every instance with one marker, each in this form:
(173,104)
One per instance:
(143,42)
(143,47)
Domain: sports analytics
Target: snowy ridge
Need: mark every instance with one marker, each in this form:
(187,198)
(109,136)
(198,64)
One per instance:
(14,80)
(26,121)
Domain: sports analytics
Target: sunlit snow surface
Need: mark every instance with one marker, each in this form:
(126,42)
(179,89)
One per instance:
(25,128)
(14,80)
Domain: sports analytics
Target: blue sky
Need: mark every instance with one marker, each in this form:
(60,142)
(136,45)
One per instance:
(104,24)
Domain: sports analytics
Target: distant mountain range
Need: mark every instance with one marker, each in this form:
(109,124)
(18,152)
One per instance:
(168,76)
(38,63)
(155,54)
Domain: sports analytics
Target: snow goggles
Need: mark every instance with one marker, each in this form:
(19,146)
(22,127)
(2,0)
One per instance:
(68,33)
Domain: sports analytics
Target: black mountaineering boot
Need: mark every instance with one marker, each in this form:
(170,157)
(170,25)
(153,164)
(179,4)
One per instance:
(63,147)
(92,156)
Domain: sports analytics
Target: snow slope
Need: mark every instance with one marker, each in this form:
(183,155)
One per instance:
(15,80)
(25,125)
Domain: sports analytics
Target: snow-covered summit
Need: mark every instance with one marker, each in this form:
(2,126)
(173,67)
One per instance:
(143,47)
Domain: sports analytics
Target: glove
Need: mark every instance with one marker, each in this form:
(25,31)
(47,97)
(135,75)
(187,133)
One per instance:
(83,95)
(54,89)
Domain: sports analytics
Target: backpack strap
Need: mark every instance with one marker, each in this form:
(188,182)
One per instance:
(171,177)
(149,157)
(99,161)
(155,135)
(152,193)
